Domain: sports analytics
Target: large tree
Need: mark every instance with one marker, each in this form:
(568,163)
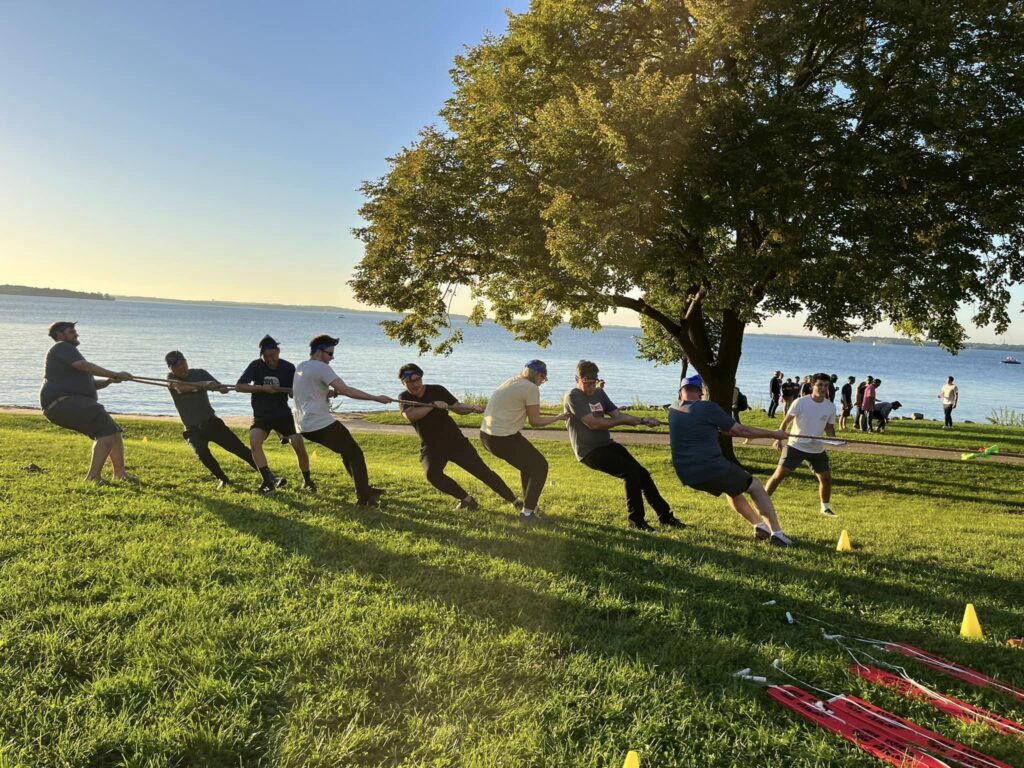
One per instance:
(708,163)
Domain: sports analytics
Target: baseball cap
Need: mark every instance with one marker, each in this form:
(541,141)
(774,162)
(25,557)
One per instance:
(537,365)
(60,326)
(692,382)
(268,342)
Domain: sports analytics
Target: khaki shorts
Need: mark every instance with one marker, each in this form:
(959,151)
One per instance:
(81,414)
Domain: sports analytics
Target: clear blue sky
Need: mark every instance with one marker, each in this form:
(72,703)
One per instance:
(214,149)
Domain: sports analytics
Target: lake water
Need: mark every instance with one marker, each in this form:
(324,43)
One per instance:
(135,335)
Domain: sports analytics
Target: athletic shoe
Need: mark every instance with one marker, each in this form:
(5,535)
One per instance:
(641,525)
(827,512)
(372,499)
(128,479)
(517,503)
(762,532)
(222,484)
(531,519)
(266,488)
(672,522)
(779,539)
(309,486)
(468,503)
(280,482)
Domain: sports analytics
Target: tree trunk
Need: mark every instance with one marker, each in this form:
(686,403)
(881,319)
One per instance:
(720,385)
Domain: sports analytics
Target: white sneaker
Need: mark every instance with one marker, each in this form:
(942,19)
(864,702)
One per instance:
(762,532)
(827,511)
(779,539)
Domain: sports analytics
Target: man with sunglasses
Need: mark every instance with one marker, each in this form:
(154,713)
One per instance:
(508,409)
(315,382)
(68,399)
(266,377)
(190,388)
(591,415)
(427,407)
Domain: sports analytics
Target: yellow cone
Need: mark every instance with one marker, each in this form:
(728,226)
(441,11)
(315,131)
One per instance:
(145,439)
(632,760)
(844,542)
(970,627)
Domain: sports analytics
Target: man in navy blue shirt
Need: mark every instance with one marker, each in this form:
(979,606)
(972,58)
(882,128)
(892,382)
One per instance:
(694,425)
(268,378)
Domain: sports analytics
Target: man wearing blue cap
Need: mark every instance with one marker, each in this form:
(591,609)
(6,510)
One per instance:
(427,407)
(694,425)
(266,378)
(315,383)
(508,409)
(591,415)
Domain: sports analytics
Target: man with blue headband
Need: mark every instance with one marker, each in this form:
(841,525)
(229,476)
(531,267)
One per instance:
(513,404)
(266,378)
(190,388)
(316,382)
(427,407)
(694,425)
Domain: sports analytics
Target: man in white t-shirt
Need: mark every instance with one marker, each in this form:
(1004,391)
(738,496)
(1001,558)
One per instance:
(513,404)
(315,383)
(950,396)
(812,415)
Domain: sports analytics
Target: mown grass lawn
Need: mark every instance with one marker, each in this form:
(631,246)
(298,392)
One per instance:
(172,624)
(925,434)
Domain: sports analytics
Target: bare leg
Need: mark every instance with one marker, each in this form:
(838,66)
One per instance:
(117,456)
(741,505)
(100,450)
(773,482)
(256,439)
(764,505)
(299,446)
(825,487)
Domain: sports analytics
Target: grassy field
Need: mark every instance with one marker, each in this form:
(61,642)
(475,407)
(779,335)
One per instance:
(925,434)
(172,624)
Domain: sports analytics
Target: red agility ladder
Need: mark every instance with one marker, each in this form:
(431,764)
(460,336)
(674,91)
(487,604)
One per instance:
(951,706)
(957,671)
(858,711)
(874,741)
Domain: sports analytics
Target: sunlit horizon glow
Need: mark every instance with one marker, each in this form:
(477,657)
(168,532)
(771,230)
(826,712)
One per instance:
(214,152)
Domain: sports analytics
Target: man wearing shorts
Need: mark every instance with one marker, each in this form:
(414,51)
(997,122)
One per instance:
(265,377)
(513,404)
(427,407)
(190,388)
(811,415)
(68,399)
(694,425)
(315,381)
(591,415)
(846,401)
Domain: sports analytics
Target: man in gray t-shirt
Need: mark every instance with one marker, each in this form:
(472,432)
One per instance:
(591,415)
(190,389)
(68,399)
(694,425)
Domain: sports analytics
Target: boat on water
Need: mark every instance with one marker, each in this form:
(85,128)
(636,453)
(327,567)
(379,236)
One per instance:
(1011,360)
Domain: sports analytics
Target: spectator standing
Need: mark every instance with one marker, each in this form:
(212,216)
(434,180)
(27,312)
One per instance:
(867,404)
(832,387)
(846,401)
(774,393)
(950,396)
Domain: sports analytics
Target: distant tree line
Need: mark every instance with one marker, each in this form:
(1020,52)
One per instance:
(59,293)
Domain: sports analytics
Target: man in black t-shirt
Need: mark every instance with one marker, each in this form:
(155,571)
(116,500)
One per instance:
(68,399)
(267,377)
(846,401)
(441,440)
(774,393)
(790,392)
(190,388)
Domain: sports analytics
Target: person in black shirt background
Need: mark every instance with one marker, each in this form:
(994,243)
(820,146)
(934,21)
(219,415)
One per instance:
(774,394)
(441,439)
(846,401)
(270,409)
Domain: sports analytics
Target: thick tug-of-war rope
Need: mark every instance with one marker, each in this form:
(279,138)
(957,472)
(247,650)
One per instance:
(883,734)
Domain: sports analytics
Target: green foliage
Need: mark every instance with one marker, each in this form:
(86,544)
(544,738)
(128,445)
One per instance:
(708,164)
(172,624)
(1006,417)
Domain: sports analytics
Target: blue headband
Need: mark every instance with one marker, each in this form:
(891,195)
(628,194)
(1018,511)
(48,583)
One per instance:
(406,375)
(538,366)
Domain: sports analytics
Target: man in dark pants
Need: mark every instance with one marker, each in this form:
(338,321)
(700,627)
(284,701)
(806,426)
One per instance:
(513,404)
(68,399)
(315,382)
(846,401)
(591,415)
(266,377)
(426,407)
(189,388)
(774,394)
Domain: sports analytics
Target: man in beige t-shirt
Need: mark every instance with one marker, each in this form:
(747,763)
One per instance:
(508,409)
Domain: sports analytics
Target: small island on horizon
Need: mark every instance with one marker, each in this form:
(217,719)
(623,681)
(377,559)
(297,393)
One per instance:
(57,293)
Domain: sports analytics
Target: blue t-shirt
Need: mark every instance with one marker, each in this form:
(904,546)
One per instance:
(693,429)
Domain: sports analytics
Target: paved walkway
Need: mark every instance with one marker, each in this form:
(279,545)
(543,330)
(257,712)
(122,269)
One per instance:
(357,423)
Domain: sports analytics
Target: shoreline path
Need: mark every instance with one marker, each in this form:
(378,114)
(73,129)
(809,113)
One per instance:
(355,422)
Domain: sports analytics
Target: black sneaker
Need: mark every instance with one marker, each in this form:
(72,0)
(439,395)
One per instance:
(828,512)
(517,504)
(641,525)
(309,486)
(671,521)
(762,532)
(266,489)
(372,499)
(280,482)
(468,503)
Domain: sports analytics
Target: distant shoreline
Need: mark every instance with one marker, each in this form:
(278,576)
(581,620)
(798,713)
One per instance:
(59,293)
